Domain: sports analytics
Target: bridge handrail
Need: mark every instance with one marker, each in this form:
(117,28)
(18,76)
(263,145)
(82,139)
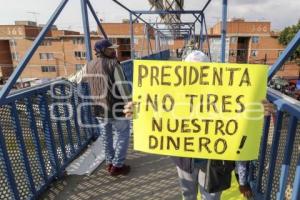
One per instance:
(41,133)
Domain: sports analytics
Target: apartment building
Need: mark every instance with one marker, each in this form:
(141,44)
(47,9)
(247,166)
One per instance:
(250,42)
(62,52)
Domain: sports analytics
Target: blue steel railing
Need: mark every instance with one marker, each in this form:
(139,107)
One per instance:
(42,130)
(276,175)
(40,135)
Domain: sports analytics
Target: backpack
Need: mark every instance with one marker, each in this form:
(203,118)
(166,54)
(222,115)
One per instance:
(218,175)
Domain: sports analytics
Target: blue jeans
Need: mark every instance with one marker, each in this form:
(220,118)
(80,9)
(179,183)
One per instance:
(115,145)
(193,183)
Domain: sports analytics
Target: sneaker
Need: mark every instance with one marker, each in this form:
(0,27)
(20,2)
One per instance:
(124,170)
(108,167)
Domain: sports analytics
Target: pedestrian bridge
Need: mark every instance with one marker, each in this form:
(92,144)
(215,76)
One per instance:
(36,147)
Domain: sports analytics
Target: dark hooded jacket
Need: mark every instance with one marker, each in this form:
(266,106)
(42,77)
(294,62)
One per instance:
(100,78)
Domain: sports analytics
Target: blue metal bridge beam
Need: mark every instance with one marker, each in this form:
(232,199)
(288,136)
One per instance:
(131,36)
(201,34)
(224,27)
(274,151)
(202,11)
(19,69)
(193,12)
(205,6)
(194,33)
(133,13)
(96,19)
(138,16)
(87,37)
(148,40)
(197,18)
(207,39)
(262,153)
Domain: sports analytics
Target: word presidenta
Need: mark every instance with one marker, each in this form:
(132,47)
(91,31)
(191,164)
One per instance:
(192,75)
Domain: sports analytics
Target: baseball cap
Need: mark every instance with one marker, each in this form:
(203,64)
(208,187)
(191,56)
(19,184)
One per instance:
(103,44)
(197,56)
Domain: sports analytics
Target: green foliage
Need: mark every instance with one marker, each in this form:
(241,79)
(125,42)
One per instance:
(287,35)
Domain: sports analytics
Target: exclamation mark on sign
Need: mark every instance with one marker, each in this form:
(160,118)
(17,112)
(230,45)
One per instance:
(242,144)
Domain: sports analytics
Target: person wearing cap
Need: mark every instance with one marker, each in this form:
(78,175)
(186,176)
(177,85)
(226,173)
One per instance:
(109,92)
(191,177)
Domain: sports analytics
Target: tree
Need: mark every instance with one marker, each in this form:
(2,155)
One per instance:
(287,35)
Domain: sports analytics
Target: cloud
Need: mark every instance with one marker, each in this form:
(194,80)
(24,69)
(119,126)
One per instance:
(278,12)
(281,13)
(249,2)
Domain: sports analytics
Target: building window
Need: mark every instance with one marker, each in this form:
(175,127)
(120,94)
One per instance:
(48,68)
(12,43)
(78,40)
(279,53)
(80,54)
(124,40)
(15,56)
(255,39)
(241,53)
(46,56)
(50,56)
(233,40)
(46,43)
(254,53)
(78,66)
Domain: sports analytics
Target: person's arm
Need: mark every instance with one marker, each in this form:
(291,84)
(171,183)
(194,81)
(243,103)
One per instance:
(244,187)
(122,83)
(128,109)
(77,77)
(241,169)
(269,108)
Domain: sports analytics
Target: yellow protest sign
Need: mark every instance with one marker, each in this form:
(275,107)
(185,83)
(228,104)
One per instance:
(199,110)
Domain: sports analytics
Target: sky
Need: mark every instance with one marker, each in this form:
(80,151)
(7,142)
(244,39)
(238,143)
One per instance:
(281,13)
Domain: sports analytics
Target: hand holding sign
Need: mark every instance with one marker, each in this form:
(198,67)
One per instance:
(199,110)
(128,109)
